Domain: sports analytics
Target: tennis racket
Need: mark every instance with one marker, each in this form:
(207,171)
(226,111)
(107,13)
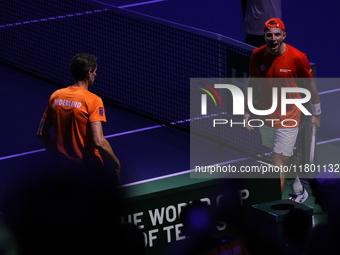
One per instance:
(312,145)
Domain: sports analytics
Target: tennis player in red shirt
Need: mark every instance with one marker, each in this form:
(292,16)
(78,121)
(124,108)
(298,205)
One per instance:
(77,115)
(282,66)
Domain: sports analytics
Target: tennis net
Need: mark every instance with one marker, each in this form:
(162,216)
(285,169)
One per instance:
(145,64)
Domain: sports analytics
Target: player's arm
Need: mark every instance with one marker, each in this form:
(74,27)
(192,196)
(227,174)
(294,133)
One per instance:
(45,137)
(104,146)
(252,82)
(315,101)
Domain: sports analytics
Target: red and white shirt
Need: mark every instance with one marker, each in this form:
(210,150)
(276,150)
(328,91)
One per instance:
(279,71)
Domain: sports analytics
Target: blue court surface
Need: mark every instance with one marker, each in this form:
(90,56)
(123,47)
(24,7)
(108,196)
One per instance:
(156,157)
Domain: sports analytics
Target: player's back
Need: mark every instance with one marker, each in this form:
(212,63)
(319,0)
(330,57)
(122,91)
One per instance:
(71,110)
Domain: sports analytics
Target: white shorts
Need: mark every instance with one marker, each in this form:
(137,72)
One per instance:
(280,140)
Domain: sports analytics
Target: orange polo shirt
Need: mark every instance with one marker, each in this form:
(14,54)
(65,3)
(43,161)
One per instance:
(289,66)
(72,109)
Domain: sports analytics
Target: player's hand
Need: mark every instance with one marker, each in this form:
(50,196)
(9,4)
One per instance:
(316,120)
(246,117)
(118,173)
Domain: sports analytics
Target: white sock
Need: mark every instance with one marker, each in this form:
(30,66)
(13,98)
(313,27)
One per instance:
(296,186)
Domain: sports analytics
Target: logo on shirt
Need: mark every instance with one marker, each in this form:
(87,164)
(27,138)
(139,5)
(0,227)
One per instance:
(101,111)
(285,70)
(262,67)
(68,103)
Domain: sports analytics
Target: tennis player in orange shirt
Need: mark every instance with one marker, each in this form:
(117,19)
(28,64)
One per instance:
(275,60)
(77,115)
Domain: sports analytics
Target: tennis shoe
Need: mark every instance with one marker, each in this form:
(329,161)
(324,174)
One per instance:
(299,198)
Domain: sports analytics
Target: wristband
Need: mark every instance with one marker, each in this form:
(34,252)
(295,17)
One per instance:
(316,109)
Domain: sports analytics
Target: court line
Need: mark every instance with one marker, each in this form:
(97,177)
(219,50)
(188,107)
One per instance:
(134,131)
(329,91)
(22,154)
(328,141)
(52,18)
(127,133)
(108,136)
(130,5)
(179,173)
(138,4)
(77,14)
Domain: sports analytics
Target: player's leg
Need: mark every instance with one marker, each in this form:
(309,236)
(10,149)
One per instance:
(283,150)
(282,142)
(280,160)
(255,40)
(267,135)
(291,177)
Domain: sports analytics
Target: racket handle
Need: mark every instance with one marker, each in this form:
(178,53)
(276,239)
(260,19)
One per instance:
(312,145)
(314,130)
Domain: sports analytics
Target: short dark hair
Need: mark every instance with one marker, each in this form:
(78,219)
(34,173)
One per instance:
(81,64)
